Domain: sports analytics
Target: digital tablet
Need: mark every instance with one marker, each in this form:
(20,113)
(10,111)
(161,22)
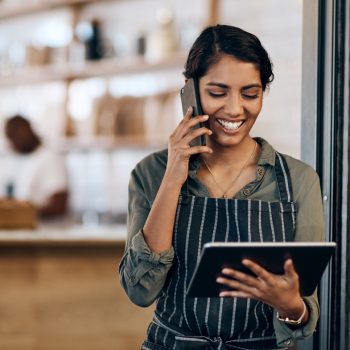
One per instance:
(310,260)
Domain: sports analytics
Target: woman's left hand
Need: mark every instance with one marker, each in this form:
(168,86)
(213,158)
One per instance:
(279,291)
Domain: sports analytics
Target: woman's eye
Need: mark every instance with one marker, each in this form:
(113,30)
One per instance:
(250,97)
(216,94)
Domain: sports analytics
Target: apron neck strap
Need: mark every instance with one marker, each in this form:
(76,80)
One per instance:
(283,179)
(184,189)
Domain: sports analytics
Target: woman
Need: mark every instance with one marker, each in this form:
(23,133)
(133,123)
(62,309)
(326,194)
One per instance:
(235,188)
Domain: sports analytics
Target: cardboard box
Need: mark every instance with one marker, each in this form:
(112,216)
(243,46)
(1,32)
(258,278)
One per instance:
(15,214)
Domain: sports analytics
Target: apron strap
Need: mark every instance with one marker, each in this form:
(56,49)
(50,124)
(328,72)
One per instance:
(185,341)
(184,189)
(184,194)
(283,179)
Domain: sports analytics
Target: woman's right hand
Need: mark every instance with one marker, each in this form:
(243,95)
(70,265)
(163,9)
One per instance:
(179,149)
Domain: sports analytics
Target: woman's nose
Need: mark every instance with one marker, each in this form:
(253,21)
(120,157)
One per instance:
(233,106)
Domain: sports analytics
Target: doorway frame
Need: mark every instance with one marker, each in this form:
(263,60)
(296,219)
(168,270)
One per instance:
(325,146)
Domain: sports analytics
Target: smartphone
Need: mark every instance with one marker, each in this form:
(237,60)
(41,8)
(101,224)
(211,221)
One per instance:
(190,97)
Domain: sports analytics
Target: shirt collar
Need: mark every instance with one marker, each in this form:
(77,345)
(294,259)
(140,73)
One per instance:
(267,156)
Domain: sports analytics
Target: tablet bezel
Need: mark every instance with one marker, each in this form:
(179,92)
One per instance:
(271,255)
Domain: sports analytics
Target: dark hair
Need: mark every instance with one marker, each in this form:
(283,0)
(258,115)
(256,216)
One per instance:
(216,41)
(21,134)
(18,119)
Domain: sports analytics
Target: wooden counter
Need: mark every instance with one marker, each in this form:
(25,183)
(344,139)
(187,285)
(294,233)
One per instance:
(67,235)
(60,290)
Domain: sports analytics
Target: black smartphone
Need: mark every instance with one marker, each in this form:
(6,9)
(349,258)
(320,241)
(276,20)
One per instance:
(190,97)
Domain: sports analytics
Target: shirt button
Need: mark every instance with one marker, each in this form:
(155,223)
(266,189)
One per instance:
(246,192)
(260,171)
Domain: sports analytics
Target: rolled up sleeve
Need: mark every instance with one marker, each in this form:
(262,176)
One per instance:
(142,272)
(287,336)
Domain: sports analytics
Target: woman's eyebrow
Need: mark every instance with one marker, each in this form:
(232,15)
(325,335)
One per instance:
(250,86)
(213,83)
(224,86)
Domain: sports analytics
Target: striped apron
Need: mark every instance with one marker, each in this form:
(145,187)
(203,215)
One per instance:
(219,323)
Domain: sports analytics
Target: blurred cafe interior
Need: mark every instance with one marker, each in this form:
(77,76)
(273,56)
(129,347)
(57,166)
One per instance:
(96,85)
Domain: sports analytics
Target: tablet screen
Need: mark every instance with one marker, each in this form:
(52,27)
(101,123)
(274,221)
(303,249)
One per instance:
(310,260)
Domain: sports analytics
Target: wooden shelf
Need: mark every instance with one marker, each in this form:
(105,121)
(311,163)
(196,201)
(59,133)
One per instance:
(71,235)
(9,9)
(89,69)
(109,143)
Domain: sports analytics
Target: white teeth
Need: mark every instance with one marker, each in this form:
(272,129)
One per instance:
(230,125)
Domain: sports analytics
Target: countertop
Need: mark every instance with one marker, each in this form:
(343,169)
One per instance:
(66,235)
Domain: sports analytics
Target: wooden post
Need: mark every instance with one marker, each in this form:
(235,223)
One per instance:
(69,123)
(213,16)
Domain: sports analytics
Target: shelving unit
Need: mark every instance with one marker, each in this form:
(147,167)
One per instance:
(110,143)
(9,9)
(78,138)
(70,72)
(89,69)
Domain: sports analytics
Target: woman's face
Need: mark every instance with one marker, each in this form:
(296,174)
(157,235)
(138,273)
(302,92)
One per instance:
(231,94)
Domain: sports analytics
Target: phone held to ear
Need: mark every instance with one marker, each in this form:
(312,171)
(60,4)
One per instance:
(190,97)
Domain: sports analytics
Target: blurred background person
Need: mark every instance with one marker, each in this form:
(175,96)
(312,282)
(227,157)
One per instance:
(34,172)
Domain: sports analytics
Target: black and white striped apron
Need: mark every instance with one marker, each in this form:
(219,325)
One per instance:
(219,323)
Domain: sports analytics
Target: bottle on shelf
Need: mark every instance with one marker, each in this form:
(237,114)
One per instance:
(94,45)
(141,44)
(163,42)
(90,34)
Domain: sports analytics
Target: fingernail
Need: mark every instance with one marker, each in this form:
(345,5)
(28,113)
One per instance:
(189,108)
(206,117)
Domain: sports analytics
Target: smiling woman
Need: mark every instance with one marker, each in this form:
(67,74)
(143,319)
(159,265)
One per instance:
(235,188)
(231,94)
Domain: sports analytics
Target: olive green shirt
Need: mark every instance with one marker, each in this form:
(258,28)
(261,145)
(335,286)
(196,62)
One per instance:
(143,272)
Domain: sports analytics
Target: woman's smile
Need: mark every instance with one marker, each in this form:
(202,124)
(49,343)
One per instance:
(230,126)
(231,94)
